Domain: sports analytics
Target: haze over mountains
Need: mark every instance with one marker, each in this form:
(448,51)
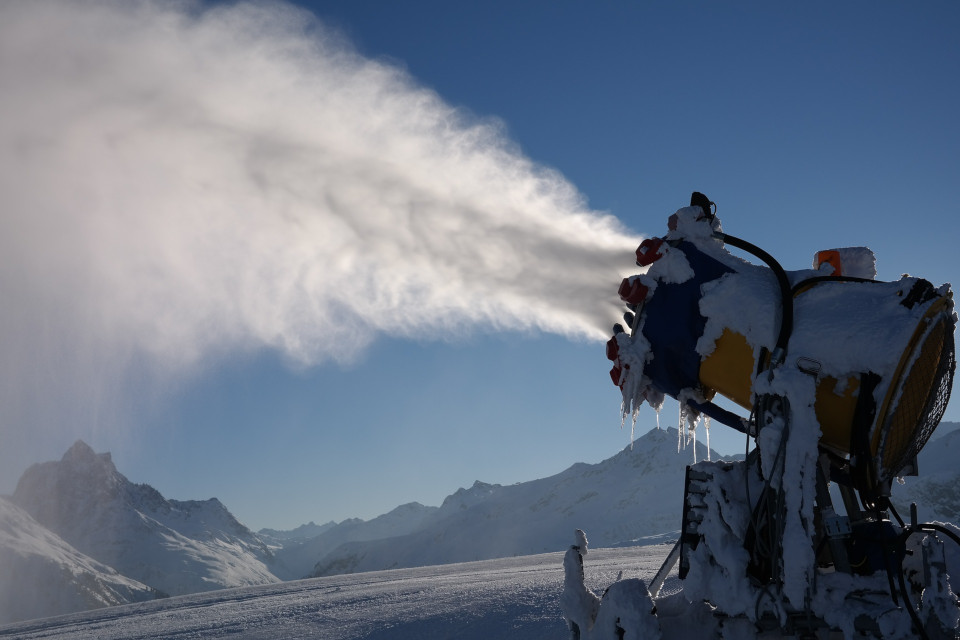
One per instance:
(76,534)
(176,547)
(43,575)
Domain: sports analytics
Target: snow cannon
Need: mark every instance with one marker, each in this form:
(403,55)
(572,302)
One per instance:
(842,379)
(702,321)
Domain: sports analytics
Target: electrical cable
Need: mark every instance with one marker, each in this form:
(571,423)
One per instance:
(810,281)
(765,518)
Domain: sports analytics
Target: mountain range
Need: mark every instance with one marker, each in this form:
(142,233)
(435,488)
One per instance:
(635,494)
(77,534)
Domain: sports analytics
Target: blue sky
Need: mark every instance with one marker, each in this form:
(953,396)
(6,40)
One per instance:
(812,125)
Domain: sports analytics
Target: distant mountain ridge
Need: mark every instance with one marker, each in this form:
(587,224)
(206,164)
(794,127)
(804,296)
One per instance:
(174,546)
(303,532)
(635,494)
(297,558)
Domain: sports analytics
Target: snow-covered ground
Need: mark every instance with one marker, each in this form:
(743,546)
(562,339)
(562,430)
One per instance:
(507,598)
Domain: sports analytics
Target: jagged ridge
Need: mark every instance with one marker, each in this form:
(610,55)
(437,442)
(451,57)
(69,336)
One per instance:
(176,547)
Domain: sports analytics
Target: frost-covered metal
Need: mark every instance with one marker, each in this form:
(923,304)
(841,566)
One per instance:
(842,380)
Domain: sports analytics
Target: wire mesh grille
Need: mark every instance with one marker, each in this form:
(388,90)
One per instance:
(923,399)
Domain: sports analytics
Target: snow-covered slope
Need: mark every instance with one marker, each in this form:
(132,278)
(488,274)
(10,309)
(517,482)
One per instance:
(176,547)
(937,489)
(635,494)
(41,575)
(508,598)
(297,557)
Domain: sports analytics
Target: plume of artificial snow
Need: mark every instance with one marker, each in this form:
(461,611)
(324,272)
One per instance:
(181,181)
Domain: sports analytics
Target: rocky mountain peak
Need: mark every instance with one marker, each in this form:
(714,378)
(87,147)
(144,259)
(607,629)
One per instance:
(81,452)
(79,476)
(83,458)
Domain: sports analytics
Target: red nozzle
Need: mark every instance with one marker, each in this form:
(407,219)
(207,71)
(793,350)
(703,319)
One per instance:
(615,375)
(633,292)
(613,348)
(649,251)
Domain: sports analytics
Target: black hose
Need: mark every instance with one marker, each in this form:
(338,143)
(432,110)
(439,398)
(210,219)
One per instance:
(786,299)
(932,526)
(921,632)
(926,526)
(809,281)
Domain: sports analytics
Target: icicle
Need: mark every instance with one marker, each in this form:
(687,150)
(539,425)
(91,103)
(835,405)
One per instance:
(693,437)
(658,417)
(680,428)
(689,419)
(706,424)
(633,421)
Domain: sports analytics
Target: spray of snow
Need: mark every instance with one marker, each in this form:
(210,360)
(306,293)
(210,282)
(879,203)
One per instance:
(179,182)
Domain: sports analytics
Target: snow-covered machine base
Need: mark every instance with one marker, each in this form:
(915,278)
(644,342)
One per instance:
(719,601)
